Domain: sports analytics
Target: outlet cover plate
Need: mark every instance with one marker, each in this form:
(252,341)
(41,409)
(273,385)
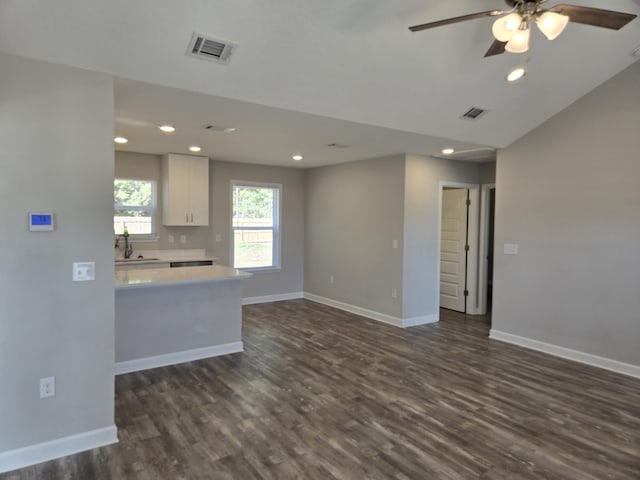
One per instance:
(47,387)
(84,271)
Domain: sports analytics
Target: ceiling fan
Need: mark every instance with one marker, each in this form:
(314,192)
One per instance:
(512,30)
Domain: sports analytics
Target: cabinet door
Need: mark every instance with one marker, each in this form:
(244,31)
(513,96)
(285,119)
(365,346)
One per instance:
(199,191)
(176,208)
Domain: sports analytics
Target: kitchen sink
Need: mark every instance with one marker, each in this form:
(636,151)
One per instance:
(127,260)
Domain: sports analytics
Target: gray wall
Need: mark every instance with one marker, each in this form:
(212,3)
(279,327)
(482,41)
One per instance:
(487,172)
(353,213)
(290,278)
(568,193)
(56,126)
(421,213)
(141,166)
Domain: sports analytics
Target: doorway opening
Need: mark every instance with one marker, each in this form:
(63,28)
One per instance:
(487,224)
(458,247)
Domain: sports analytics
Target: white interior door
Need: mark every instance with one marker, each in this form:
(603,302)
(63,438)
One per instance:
(452,249)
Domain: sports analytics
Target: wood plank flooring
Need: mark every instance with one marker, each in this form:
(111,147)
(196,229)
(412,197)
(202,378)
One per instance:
(324,394)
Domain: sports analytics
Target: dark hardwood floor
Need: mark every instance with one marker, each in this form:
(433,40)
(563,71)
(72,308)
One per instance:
(324,394)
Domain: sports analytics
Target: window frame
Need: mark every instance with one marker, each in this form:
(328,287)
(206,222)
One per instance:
(152,209)
(276,263)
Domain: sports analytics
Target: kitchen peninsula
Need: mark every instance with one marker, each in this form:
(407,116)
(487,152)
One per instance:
(166,316)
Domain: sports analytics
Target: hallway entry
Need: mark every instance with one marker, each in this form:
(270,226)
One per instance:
(454,249)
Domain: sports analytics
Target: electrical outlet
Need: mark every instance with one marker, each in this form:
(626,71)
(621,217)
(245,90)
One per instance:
(84,271)
(510,249)
(183,239)
(171,239)
(331,278)
(394,293)
(47,387)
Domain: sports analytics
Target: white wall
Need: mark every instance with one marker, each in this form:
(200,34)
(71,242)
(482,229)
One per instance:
(289,279)
(569,194)
(421,213)
(353,213)
(56,127)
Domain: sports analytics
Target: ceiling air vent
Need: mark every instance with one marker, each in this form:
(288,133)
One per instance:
(209,48)
(474,113)
(219,128)
(337,145)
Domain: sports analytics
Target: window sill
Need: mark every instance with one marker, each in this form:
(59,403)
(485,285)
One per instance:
(261,269)
(140,238)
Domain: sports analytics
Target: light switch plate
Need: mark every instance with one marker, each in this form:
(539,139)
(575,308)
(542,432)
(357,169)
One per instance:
(84,271)
(510,249)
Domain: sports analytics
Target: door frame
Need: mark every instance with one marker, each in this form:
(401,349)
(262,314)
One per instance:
(472,235)
(484,248)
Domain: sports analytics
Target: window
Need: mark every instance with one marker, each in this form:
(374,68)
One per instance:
(134,206)
(255,225)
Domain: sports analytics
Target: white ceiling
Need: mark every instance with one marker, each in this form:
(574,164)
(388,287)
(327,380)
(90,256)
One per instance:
(308,73)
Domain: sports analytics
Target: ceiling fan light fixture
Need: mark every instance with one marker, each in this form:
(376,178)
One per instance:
(504,27)
(552,24)
(519,42)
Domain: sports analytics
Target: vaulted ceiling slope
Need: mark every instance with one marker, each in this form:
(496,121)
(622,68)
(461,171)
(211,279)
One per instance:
(352,60)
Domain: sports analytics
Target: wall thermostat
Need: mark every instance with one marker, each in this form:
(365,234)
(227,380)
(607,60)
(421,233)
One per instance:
(41,222)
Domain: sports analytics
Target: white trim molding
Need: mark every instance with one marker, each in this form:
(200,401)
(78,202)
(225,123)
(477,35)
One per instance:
(60,447)
(272,298)
(472,237)
(575,355)
(380,317)
(421,320)
(146,363)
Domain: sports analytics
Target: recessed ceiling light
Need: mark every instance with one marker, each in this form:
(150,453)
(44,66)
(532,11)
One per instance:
(120,140)
(194,148)
(515,74)
(448,151)
(167,128)
(229,130)
(297,158)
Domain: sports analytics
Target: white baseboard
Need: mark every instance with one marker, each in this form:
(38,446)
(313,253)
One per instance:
(272,298)
(60,447)
(146,363)
(575,355)
(380,317)
(421,320)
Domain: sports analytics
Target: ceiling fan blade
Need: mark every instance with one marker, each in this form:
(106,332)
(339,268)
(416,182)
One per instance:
(496,48)
(594,16)
(449,21)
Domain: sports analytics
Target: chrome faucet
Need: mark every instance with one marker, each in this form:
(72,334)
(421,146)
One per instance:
(128,247)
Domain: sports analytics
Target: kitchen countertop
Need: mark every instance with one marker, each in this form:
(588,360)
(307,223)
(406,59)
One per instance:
(153,277)
(150,259)
(165,256)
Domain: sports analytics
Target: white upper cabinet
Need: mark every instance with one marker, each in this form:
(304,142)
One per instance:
(185,190)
